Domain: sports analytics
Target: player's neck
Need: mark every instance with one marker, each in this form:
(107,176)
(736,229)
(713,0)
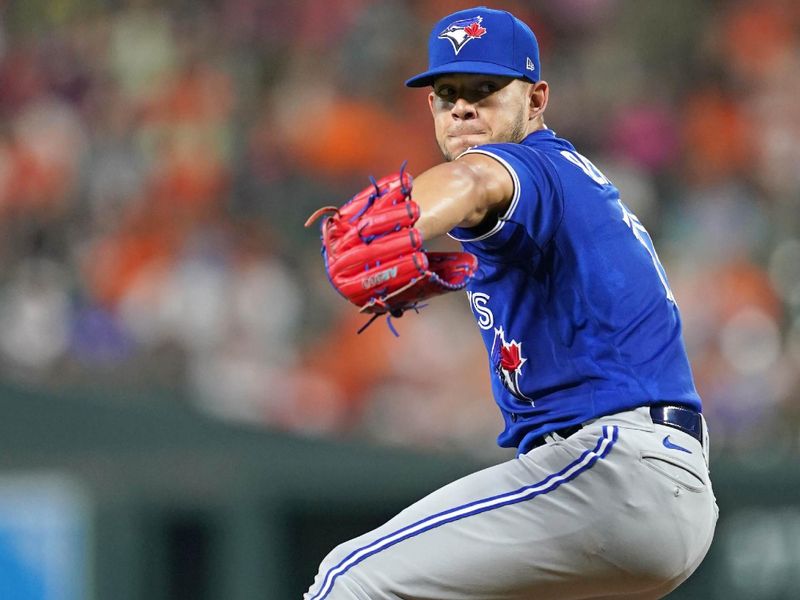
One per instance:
(536,125)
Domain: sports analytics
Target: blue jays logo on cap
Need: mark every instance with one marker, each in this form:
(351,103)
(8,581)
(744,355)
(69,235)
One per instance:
(462,31)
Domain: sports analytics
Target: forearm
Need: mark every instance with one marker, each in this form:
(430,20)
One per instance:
(449,194)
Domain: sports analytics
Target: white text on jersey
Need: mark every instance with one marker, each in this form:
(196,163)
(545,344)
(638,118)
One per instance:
(479,301)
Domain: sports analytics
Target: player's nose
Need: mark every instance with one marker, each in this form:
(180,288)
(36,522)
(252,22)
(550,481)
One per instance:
(463,110)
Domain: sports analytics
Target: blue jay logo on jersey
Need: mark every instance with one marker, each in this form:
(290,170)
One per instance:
(508,360)
(461,32)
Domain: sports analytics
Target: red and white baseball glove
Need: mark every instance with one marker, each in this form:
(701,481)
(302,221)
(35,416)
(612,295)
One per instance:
(374,255)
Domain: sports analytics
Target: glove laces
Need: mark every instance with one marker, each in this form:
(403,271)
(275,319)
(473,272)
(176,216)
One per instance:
(396,313)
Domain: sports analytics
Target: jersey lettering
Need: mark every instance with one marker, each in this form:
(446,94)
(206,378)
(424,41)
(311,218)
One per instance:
(632,221)
(479,301)
(585,165)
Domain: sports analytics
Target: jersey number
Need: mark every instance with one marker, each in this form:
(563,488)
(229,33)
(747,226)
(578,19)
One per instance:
(632,221)
(585,165)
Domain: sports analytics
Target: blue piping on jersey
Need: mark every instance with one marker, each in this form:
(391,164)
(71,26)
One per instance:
(548,484)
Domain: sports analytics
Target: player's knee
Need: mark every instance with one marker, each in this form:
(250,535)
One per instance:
(334,559)
(336,580)
(336,584)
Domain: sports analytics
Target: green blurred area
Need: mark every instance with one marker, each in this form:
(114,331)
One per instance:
(182,507)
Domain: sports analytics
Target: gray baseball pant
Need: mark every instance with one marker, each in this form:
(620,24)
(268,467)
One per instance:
(621,509)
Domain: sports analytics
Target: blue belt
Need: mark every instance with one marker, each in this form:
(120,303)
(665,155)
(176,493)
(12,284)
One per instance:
(680,417)
(687,419)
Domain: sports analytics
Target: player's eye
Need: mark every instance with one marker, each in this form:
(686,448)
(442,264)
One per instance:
(445,92)
(487,87)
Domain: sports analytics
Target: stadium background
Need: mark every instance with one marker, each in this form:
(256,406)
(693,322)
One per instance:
(165,317)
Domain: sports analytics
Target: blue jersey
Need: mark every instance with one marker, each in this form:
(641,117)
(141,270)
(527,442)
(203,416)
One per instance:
(572,302)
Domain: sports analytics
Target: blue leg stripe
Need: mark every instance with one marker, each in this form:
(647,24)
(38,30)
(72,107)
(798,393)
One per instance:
(550,483)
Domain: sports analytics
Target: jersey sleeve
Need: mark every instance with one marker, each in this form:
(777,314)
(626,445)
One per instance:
(537,202)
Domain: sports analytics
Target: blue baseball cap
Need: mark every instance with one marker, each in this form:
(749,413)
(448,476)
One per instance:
(483,41)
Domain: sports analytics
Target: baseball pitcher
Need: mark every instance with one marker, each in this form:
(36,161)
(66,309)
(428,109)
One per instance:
(609,494)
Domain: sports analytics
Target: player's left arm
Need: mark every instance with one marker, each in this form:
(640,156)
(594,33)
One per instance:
(461,193)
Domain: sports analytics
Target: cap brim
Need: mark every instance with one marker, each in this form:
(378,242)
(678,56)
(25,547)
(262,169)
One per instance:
(463,66)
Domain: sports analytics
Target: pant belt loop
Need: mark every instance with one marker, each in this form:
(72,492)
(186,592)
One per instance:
(706,442)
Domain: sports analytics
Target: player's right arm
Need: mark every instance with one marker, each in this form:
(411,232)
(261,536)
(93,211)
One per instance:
(461,193)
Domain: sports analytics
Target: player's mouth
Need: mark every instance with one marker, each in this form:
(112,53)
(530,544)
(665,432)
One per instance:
(466,139)
(467,133)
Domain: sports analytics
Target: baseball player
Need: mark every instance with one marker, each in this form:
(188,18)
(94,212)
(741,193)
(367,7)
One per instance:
(609,494)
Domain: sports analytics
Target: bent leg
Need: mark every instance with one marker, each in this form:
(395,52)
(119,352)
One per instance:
(576,519)
(496,534)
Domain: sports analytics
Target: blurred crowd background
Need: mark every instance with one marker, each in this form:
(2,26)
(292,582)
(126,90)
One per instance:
(158,160)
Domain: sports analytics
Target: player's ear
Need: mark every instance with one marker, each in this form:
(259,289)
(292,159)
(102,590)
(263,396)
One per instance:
(431,97)
(538,95)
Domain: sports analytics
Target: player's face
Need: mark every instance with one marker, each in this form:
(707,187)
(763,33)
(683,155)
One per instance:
(469,110)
